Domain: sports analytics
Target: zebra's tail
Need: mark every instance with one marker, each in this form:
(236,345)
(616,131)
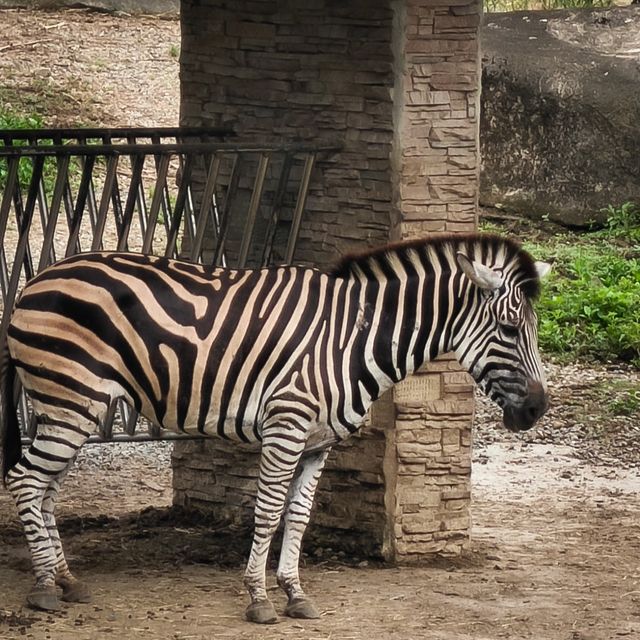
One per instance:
(9,427)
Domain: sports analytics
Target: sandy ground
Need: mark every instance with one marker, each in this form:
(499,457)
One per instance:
(555,550)
(555,555)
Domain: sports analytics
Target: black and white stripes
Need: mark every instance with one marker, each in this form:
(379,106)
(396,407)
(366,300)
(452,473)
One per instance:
(289,356)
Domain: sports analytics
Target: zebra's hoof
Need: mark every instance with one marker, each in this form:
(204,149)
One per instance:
(76,591)
(262,612)
(302,608)
(44,598)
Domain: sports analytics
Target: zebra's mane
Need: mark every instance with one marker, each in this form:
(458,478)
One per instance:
(489,248)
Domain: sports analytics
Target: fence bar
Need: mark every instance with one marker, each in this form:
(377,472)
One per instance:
(250,222)
(137,164)
(218,255)
(18,206)
(48,253)
(206,205)
(276,207)
(109,191)
(43,206)
(32,136)
(178,210)
(103,209)
(105,429)
(300,202)
(73,244)
(5,208)
(130,149)
(23,245)
(156,202)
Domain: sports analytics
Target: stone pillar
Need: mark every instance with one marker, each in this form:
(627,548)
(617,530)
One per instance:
(435,185)
(395,83)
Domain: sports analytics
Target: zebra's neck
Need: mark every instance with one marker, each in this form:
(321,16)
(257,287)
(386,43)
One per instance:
(407,306)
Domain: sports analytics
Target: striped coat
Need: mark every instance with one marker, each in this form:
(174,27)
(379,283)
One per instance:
(292,357)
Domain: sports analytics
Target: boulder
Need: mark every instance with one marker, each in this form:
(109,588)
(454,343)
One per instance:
(560,112)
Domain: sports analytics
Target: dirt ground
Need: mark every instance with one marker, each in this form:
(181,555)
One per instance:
(554,556)
(555,548)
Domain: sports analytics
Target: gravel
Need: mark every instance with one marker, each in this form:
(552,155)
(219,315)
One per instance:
(595,410)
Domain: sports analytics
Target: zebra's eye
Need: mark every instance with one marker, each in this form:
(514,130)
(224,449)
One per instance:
(509,330)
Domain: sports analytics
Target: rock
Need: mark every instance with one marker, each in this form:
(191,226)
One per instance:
(560,112)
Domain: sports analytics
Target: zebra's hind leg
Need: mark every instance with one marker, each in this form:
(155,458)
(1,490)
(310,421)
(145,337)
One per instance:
(297,514)
(29,482)
(282,447)
(73,590)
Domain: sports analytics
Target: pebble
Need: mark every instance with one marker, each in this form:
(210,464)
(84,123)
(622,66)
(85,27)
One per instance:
(579,416)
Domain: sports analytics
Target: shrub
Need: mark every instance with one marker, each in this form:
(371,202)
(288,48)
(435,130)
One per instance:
(589,307)
(11,120)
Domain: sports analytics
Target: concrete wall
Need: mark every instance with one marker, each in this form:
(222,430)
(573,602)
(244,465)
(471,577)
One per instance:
(395,84)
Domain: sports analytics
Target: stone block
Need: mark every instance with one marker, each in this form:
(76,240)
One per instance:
(412,452)
(419,523)
(464,22)
(424,498)
(254,30)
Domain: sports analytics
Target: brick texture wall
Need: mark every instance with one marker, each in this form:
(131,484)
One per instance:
(308,72)
(395,84)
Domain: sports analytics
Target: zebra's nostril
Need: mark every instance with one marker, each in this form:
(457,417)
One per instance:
(532,411)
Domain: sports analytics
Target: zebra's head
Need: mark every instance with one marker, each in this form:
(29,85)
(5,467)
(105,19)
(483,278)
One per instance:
(498,340)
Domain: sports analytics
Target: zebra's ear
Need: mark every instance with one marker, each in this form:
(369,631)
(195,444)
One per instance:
(543,269)
(481,275)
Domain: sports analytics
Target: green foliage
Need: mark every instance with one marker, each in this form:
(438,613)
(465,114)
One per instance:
(174,51)
(623,397)
(11,120)
(532,5)
(623,222)
(590,302)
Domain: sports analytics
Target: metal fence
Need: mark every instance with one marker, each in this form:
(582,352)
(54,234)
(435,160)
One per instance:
(179,192)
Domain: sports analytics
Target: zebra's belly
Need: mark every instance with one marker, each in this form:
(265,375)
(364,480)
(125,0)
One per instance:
(226,428)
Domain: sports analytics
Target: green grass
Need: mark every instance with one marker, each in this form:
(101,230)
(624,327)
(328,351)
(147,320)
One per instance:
(590,305)
(12,120)
(623,397)
(623,222)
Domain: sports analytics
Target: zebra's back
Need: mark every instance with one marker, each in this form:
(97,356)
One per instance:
(192,348)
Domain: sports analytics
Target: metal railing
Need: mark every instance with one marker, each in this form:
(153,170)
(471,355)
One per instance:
(182,193)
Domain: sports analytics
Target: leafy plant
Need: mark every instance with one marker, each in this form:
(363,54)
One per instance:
(624,221)
(10,120)
(13,120)
(624,398)
(589,307)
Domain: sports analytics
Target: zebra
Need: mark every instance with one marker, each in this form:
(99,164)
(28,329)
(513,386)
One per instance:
(289,357)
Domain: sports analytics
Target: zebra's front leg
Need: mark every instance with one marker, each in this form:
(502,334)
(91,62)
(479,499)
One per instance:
(296,517)
(281,451)
(73,590)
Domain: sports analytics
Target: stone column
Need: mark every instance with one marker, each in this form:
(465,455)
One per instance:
(395,83)
(435,174)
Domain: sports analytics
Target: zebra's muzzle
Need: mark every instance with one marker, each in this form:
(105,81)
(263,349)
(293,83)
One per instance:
(524,416)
